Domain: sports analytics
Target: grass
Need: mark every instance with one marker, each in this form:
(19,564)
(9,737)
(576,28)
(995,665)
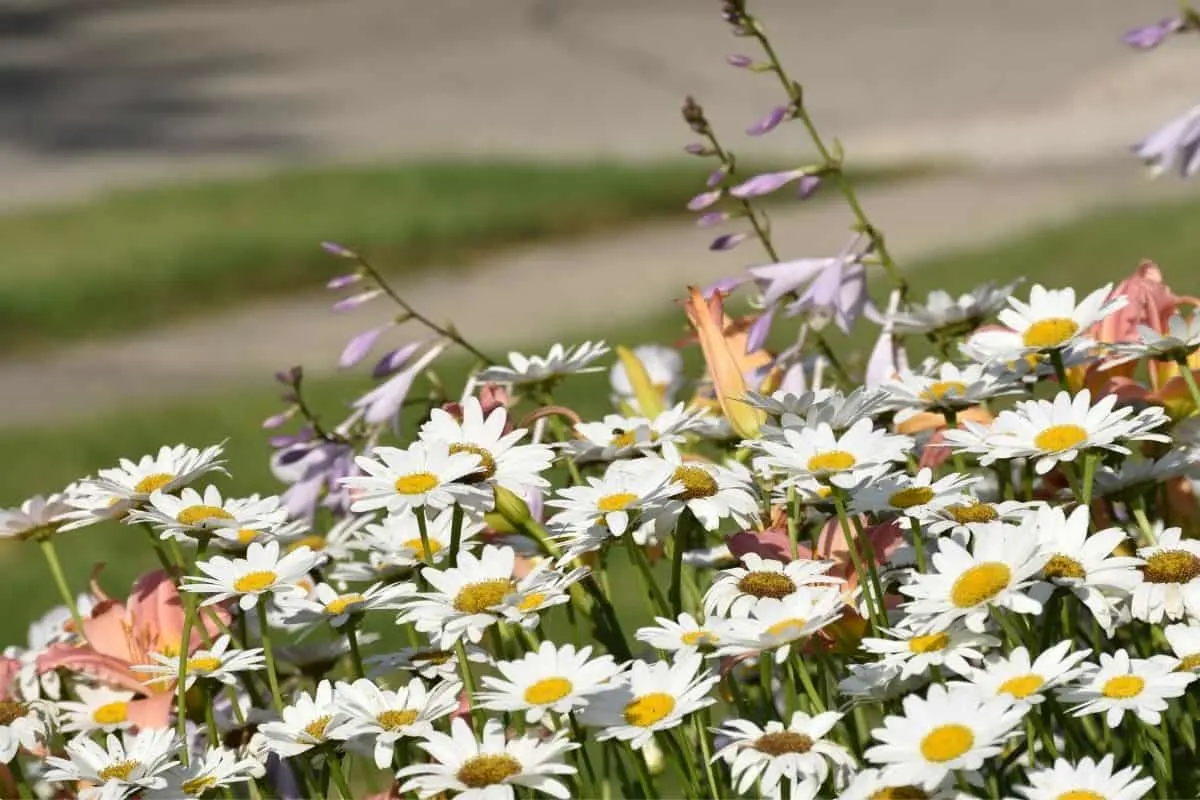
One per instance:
(1083,254)
(138,258)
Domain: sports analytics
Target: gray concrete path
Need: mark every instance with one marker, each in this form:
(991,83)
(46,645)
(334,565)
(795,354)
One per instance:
(527,295)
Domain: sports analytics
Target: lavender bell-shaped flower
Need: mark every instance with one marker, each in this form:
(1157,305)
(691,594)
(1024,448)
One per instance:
(770,122)
(1147,37)
(383,403)
(768,182)
(1174,146)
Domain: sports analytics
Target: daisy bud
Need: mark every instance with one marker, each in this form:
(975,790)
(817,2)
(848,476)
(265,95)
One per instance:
(511,507)
(728,241)
(337,250)
(356,300)
(768,123)
(702,201)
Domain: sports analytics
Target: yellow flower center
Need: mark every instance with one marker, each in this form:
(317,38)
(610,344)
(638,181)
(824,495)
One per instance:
(312,542)
(912,496)
(547,690)
(930,643)
(338,605)
(11,711)
(487,462)
(255,581)
(972,512)
(649,709)
(1060,437)
(697,483)
(111,713)
(532,601)
(1123,687)
(615,502)
(947,742)
(1049,332)
(766,584)
(831,461)
(487,770)
(119,771)
(150,483)
(198,786)
(196,515)
(630,438)
(418,547)
(1080,794)
(203,664)
(790,627)
(435,657)
(1022,686)
(391,720)
(1061,566)
(783,742)
(939,389)
(699,638)
(316,728)
(246,535)
(1171,566)
(980,583)
(416,483)
(475,598)
(1189,663)
(900,793)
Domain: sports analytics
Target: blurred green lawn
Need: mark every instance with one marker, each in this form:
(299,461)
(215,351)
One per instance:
(1083,254)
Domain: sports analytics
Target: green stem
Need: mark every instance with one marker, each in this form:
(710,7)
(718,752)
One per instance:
(809,687)
(464,667)
(1089,479)
(185,647)
(269,654)
(210,720)
(339,777)
(854,540)
(706,754)
(355,655)
(60,580)
(1186,373)
(1060,369)
(423,529)
(456,528)
(24,790)
(793,523)
(643,773)
(638,557)
(678,545)
(918,543)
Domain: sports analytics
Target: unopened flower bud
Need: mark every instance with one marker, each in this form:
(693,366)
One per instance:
(739,60)
(337,250)
(511,507)
(693,115)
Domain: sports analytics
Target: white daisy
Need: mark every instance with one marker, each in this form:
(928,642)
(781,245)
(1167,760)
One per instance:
(122,765)
(1087,780)
(860,453)
(1000,573)
(261,572)
(650,698)
(23,725)
(664,368)
(98,709)
(426,474)
(777,624)
(877,681)
(193,514)
(431,663)
(557,679)
(916,652)
(628,492)
(1138,475)
(218,769)
(541,588)
(383,717)
(712,493)
(116,490)
(1051,320)
(798,754)
(735,591)
(501,460)
(398,536)
(1185,644)
(1084,564)
(918,496)
(464,600)
(217,663)
(625,437)
(491,767)
(684,635)
(964,520)
(941,310)
(949,729)
(1170,579)
(1140,686)
(37,517)
(808,410)
(944,387)
(558,363)
(869,784)
(1181,339)
(1022,680)
(310,721)
(327,604)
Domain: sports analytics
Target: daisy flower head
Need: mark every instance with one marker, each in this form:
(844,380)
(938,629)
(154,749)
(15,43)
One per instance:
(1000,573)
(1084,565)
(502,461)
(1170,579)
(628,493)
(798,754)
(736,591)
(426,474)
(916,652)
(97,709)
(1184,640)
(775,624)
(870,784)
(1051,320)
(430,663)
(945,388)
(464,600)
(219,768)
(309,721)
(877,680)
(551,679)
(941,311)
(911,496)
(541,588)
(36,517)
(121,766)
(1141,475)
(327,604)
(1140,686)
(217,663)
(664,368)
(397,537)
(383,717)
(23,724)
(971,516)
(261,572)
(684,634)
(950,729)
(193,514)
(1086,780)
(1025,680)
(491,767)
(625,437)
(713,493)
(651,697)
(837,410)
(862,452)
(1180,340)
(558,363)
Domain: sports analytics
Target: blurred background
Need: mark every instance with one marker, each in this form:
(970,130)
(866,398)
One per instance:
(168,168)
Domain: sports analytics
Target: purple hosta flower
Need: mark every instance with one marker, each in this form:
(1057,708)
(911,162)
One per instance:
(342,281)
(728,241)
(723,285)
(717,176)
(337,250)
(383,403)
(833,288)
(713,218)
(395,359)
(1174,146)
(770,122)
(703,201)
(888,357)
(769,182)
(760,330)
(276,420)
(356,300)
(739,60)
(358,347)
(313,470)
(1147,37)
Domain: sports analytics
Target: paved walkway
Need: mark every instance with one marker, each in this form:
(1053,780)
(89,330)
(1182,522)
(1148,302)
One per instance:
(524,295)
